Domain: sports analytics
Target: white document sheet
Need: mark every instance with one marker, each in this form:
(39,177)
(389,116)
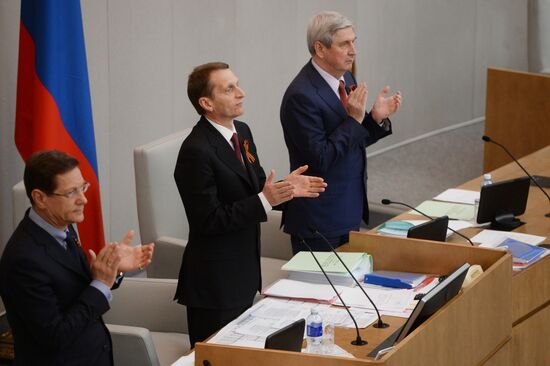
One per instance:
(302,290)
(385,298)
(458,196)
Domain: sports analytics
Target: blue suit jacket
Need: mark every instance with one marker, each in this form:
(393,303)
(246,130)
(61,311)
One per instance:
(319,132)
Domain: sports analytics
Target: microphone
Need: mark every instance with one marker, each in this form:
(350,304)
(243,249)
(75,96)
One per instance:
(488,139)
(386,201)
(357,341)
(380,323)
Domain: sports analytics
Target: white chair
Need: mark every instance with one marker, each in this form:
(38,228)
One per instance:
(20,203)
(161,215)
(147,327)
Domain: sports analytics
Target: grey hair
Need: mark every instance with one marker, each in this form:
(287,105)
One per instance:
(322,28)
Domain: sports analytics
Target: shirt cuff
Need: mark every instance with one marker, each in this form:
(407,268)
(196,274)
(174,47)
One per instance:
(103,288)
(265,202)
(385,124)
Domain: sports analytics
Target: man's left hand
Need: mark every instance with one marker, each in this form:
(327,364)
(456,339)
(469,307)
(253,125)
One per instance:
(304,185)
(133,257)
(385,106)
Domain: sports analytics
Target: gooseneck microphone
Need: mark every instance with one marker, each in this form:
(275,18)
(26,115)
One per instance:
(357,341)
(380,323)
(488,139)
(386,201)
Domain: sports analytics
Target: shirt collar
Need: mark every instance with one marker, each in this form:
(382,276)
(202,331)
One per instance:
(226,132)
(59,235)
(331,80)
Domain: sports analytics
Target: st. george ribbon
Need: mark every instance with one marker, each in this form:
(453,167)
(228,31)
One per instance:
(380,323)
(488,139)
(357,341)
(386,201)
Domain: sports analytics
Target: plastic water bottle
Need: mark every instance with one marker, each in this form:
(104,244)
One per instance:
(314,332)
(487,179)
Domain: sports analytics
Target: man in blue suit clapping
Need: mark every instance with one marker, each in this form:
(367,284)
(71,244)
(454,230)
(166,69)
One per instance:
(325,124)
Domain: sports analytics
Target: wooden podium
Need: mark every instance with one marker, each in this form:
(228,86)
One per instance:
(473,328)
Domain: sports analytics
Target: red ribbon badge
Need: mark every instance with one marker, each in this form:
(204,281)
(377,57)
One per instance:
(249,156)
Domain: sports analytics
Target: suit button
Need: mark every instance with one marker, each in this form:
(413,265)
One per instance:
(106,347)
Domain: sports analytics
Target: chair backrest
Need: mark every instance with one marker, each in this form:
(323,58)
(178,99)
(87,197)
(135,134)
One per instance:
(160,210)
(20,203)
(275,242)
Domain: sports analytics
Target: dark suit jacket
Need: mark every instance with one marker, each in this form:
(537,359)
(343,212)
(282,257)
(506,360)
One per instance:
(54,313)
(221,263)
(319,132)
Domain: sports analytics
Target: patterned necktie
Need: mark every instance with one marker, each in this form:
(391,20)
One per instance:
(343,94)
(237,147)
(72,248)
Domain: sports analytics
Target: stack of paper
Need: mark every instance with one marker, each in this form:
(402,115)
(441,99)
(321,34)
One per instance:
(302,267)
(395,279)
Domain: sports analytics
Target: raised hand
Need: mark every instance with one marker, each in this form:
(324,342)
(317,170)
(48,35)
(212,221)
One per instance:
(277,193)
(357,102)
(304,185)
(133,257)
(104,265)
(385,106)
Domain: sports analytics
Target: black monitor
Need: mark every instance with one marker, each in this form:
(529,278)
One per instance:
(435,229)
(500,202)
(426,307)
(289,338)
(434,300)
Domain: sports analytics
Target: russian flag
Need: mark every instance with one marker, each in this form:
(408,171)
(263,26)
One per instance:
(53,108)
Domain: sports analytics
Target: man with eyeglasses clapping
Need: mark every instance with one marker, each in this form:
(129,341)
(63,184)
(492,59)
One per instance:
(54,298)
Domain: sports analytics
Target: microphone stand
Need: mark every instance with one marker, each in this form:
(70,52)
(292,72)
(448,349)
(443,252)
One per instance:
(488,139)
(386,201)
(357,341)
(380,323)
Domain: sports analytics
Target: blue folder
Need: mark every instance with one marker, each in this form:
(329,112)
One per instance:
(395,279)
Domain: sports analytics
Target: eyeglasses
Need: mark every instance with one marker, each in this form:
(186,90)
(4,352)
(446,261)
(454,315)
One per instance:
(72,193)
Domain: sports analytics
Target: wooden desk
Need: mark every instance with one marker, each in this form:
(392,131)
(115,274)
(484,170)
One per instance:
(530,287)
(468,330)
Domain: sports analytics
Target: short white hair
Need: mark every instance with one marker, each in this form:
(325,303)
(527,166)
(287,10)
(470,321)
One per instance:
(322,28)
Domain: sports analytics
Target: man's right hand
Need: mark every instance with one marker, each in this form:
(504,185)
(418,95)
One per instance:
(277,193)
(104,265)
(357,102)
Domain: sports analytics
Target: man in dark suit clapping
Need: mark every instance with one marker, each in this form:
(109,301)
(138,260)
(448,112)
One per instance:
(226,195)
(54,298)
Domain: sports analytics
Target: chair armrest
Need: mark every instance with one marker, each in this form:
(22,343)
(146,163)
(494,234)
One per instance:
(167,257)
(134,346)
(148,303)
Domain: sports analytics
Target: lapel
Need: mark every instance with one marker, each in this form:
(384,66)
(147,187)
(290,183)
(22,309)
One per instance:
(53,249)
(243,133)
(324,91)
(224,152)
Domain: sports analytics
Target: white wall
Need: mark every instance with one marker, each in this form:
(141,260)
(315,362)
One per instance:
(141,51)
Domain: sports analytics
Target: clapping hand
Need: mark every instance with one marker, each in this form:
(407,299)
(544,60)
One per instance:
(385,106)
(133,257)
(305,185)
